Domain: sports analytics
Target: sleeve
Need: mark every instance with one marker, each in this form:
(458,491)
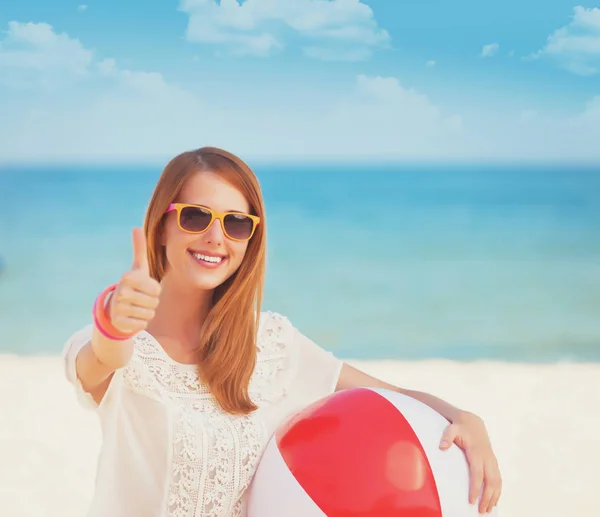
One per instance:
(71,348)
(317,370)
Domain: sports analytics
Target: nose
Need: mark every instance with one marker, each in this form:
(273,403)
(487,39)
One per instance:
(214,234)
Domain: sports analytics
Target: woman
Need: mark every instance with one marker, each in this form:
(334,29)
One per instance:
(189,309)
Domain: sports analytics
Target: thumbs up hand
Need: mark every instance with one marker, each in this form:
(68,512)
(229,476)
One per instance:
(135,299)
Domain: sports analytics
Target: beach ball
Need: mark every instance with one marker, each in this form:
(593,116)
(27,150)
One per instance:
(361,453)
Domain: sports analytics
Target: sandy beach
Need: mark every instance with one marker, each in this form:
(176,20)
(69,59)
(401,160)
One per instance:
(544,421)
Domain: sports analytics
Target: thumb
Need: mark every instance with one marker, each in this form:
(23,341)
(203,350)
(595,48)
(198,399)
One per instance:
(140,250)
(449,435)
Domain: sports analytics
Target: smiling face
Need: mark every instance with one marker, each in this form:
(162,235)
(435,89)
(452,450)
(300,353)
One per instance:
(207,259)
(220,181)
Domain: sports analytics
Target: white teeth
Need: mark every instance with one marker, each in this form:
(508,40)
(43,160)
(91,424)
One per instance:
(206,258)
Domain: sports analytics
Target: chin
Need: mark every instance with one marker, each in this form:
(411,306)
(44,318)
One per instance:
(207,284)
(207,276)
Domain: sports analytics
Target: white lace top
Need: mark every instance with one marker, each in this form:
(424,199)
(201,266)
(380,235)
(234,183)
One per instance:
(168,450)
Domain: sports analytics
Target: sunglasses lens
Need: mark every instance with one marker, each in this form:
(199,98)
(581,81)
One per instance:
(195,219)
(238,226)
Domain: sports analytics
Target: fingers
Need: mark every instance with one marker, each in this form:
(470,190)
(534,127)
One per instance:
(132,305)
(478,472)
(140,250)
(140,313)
(137,281)
(493,487)
(449,435)
(476,477)
(494,501)
(129,325)
(486,497)
(485,482)
(133,311)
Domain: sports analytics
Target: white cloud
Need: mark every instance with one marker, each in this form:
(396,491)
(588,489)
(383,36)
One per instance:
(430,64)
(107,67)
(260,45)
(136,116)
(533,134)
(337,54)
(117,114)
(36,47)
(82,7)
(590,115)
(528,116)
(489,50)
(576,46)
(143,116)
(382,117)
(335,29)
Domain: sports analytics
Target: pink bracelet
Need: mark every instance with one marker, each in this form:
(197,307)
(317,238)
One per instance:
(102,320)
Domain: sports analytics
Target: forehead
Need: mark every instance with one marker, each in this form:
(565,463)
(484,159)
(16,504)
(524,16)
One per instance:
(212,190)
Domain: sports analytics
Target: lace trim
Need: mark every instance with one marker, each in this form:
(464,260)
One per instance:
(214,455)
(276,360)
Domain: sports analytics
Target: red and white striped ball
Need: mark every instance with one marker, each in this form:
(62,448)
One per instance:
(362,453)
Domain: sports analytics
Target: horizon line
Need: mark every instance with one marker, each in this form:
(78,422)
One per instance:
(309,160)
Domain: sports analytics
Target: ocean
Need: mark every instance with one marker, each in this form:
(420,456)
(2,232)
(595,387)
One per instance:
(465,262)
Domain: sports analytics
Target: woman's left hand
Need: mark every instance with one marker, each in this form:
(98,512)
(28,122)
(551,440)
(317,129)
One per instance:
(469,433)
(466,430)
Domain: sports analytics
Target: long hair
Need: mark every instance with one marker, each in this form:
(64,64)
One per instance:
(227,352)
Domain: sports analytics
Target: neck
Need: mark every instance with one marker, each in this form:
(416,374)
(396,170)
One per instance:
(181,313)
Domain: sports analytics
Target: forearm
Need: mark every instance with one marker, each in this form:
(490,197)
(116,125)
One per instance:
(351,377)
(99,358)
(447,410)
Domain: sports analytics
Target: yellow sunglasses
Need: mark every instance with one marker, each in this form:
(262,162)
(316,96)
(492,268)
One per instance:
(237,226)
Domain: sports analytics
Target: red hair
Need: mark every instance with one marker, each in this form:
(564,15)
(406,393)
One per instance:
(227,352)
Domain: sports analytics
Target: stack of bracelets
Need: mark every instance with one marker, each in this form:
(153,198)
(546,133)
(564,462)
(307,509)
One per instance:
(102,318)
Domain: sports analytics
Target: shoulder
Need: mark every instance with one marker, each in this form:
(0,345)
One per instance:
(291,363)
(275,334)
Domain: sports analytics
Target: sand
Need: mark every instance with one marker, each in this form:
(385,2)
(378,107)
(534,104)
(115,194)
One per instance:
(544,421)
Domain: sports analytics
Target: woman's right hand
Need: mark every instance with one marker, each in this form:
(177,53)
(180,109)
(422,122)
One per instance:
(133,303)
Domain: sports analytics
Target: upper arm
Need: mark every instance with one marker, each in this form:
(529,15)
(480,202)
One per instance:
(351,377)
(318,369)
(82,369)
(305,371)
(322,371)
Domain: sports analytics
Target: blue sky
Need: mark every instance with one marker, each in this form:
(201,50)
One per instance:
(409,80)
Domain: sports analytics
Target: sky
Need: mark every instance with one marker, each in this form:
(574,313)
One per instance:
(410,80)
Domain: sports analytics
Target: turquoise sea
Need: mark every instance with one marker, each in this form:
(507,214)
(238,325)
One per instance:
(386,261)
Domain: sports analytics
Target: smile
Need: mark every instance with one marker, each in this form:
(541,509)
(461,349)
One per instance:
(207,260)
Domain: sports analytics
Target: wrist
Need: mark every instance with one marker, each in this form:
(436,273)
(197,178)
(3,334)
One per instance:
(101,317)
(109,353)
(463,416)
